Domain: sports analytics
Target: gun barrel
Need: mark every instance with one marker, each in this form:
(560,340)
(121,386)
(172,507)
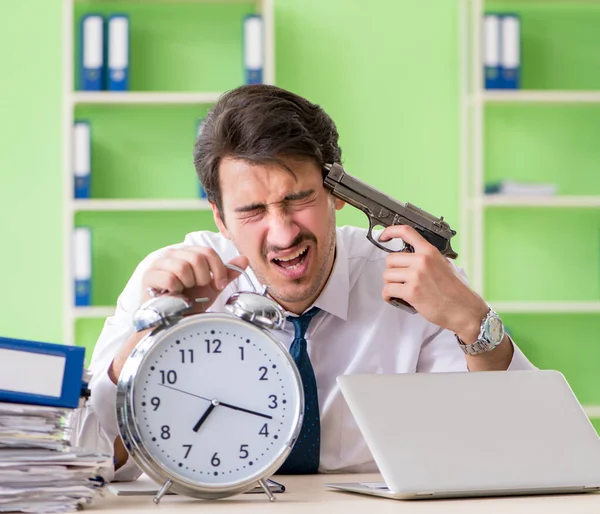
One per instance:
(379,205)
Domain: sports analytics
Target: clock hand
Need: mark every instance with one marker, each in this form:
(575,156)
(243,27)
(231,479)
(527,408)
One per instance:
(186,392)
(212,405)
(235,407)
(229,406)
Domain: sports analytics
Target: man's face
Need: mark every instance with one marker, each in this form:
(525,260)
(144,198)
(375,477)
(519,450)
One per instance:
(283,223)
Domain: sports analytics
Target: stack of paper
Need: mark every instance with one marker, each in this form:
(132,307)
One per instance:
(39,471)
(514,188)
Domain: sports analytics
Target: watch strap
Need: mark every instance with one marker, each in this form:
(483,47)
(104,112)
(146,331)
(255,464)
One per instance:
(482,344)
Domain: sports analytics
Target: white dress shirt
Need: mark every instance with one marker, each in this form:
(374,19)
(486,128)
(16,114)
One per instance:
(356,332)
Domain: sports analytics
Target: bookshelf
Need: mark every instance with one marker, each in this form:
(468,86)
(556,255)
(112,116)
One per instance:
(558,97)
(144,190)
(132,98)
(536,260)
(140,205)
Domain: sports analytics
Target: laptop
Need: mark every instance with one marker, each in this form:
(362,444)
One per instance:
(456,435)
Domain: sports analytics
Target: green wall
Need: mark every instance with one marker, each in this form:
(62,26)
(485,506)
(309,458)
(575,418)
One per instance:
(30,169)
(391,86)
(387,72)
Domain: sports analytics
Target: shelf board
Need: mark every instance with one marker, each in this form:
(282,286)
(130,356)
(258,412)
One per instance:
(532,96)
(141,205)
(593,411)
(540,201)
(139,98)
(164,1)
(546,307)
(93,312)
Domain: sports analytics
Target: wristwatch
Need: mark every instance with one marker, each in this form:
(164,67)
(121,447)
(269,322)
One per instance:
(490,336)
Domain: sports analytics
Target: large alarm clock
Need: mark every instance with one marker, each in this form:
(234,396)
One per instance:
(209,404)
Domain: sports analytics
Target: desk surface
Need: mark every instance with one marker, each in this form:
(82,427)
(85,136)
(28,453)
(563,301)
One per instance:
(307,494)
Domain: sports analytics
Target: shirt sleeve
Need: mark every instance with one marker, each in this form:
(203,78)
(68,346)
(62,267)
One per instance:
(440,353)
(519,362)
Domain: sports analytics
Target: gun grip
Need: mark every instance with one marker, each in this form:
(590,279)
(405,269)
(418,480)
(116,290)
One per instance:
(401,304)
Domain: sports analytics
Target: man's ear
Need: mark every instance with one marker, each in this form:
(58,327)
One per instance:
(219,221)
(338,203)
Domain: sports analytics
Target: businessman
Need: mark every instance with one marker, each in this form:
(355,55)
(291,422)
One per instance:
(260,158)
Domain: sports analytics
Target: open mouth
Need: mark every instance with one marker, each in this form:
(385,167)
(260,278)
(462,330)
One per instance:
(292,262)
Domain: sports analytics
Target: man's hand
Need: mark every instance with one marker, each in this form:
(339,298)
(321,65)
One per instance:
(197,272)
(430,283)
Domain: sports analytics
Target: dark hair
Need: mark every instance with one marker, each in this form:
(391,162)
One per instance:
(259,124)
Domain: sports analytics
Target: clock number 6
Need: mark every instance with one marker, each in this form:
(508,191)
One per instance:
(215,461)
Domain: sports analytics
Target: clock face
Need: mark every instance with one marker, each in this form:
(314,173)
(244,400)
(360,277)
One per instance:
(216,401)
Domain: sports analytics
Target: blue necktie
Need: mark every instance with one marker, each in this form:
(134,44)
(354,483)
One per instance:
(304,457)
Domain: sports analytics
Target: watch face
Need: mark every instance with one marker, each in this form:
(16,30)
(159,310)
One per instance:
(215,401)
(494,330)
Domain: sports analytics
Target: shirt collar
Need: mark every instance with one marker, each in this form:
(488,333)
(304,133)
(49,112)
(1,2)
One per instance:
(335,294)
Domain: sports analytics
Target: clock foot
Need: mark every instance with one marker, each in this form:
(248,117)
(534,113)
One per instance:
(267,491)
(162,491)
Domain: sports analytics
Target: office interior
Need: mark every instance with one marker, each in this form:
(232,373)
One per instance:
(405,82)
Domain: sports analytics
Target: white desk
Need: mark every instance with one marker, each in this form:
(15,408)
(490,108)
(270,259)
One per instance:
(308,495)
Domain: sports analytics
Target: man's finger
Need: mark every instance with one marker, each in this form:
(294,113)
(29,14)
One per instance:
(162,280)
(399,259)
(181,268)
(408,235)
(398,275)
(202,265)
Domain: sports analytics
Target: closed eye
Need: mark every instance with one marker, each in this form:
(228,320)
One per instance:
(301,199)
(251,214)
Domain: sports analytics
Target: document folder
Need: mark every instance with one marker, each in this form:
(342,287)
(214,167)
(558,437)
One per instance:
(41,373)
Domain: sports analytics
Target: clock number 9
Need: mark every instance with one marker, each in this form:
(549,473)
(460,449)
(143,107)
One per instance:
(155,402)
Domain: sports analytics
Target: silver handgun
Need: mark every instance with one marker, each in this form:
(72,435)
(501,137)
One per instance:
(385,211)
